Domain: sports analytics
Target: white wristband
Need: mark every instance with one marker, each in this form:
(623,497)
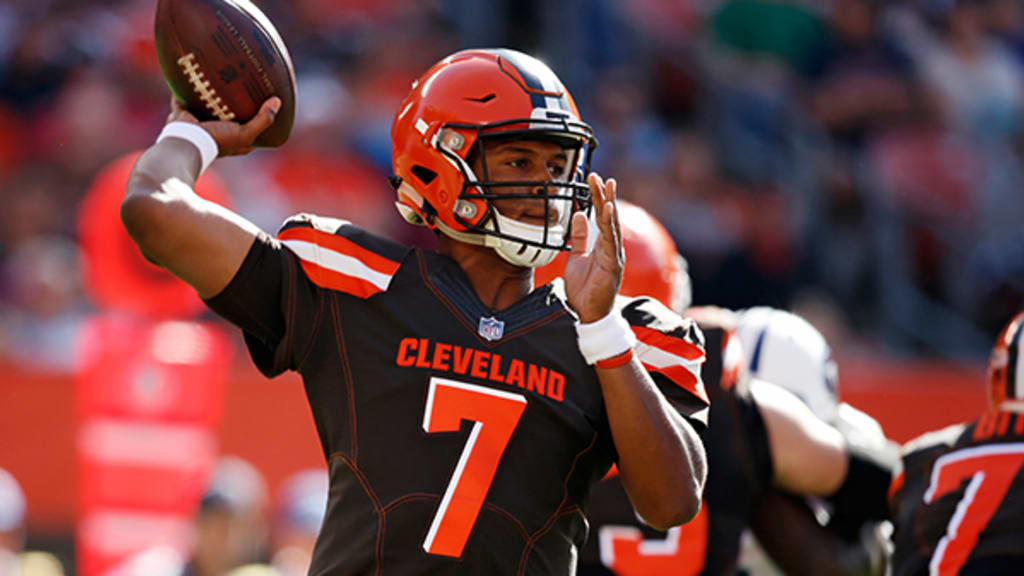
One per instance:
(197,136)
(605,338)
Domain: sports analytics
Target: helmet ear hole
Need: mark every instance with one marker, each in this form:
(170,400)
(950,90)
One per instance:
(425,175)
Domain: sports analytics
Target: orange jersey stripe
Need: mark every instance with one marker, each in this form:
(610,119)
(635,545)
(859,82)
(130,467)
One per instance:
(682,377)
(895,486)
(327,278)
(342,245)
(671,344)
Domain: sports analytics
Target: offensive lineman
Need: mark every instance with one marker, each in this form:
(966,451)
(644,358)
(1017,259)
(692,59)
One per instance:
(762,438)
(958,503)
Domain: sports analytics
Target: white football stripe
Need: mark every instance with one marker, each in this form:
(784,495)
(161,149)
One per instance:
(442,509)
(338,262)
(660,359)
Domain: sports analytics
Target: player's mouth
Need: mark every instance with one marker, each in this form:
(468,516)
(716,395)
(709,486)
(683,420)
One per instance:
(532,212)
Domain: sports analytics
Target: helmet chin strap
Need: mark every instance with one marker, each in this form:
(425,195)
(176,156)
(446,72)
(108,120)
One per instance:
(518,253)
(512,251)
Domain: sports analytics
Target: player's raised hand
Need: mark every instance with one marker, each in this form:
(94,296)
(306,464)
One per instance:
(232,138)
(592,280)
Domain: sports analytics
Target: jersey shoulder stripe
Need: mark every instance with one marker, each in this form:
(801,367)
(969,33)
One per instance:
(667,343)
(337,255)
(933,442)
(916,456)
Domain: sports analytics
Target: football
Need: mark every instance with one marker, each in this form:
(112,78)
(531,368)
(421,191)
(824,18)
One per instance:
(222,59)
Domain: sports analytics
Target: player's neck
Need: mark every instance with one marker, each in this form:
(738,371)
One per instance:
(497,283)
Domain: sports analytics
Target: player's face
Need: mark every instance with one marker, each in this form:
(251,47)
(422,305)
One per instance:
(525,160)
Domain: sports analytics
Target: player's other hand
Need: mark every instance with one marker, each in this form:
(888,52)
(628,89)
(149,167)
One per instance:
(232,138)
(592,280)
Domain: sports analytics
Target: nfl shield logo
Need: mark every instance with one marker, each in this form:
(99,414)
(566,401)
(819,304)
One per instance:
(491,328)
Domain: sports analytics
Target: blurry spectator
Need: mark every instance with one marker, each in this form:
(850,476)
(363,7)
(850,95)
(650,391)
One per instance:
(632,138)
(34,198)
(738,239)
(230,527)
(696,211)
(863,81)
(758,51)
(301,505)
(40,323)
(788,31)
(973,82)
(229,530)
(14,561)
(1006,22)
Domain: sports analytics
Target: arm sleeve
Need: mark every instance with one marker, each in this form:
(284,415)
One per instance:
(273,303)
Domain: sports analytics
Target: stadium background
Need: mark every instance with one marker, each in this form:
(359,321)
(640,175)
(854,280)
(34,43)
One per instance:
(856,161)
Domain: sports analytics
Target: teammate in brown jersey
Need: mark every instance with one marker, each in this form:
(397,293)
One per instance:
(464,416)
(762,438)
(958,503)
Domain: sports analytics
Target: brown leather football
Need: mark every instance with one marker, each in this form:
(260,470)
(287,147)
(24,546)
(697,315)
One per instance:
(222,59)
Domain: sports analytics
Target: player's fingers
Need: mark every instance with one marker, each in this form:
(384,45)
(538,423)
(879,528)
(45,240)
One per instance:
(604,213)
(611,189)
(608,238)
(611,193)
(179,113)
(596,193)
(241,151)
(578,233)
(262,120)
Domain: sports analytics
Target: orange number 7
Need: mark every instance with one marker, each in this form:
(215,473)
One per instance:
(991,470)
(494,414)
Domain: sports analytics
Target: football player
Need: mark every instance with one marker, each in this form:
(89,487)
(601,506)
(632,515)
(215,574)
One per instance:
(807,535)
(762,438)
(463,415)
(958,502)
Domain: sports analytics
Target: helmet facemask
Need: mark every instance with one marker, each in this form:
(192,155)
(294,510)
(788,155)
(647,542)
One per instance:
(478,205)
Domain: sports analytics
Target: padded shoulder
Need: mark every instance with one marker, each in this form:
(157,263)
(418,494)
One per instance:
(338,255)
(942,439)
(668,344)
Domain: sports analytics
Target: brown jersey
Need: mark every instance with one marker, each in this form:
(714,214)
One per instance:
(739,470)
(958,504)
(460,439)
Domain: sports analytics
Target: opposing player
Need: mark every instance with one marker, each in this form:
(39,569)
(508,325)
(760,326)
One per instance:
(761,438)
(958,503)
(808,535)
(463,415)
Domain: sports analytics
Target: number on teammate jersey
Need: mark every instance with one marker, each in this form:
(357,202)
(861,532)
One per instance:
(681,553)
(991,469)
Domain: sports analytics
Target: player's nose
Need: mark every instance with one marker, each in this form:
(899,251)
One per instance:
(545,179)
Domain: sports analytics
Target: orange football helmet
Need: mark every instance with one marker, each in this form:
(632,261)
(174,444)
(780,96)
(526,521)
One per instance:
(653,265)
(458,103)
(1005,378)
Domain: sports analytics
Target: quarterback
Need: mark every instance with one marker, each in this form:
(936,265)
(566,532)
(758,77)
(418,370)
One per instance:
(464,416)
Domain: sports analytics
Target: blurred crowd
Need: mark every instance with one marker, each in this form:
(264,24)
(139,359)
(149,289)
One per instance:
(856,160)
(239,529)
